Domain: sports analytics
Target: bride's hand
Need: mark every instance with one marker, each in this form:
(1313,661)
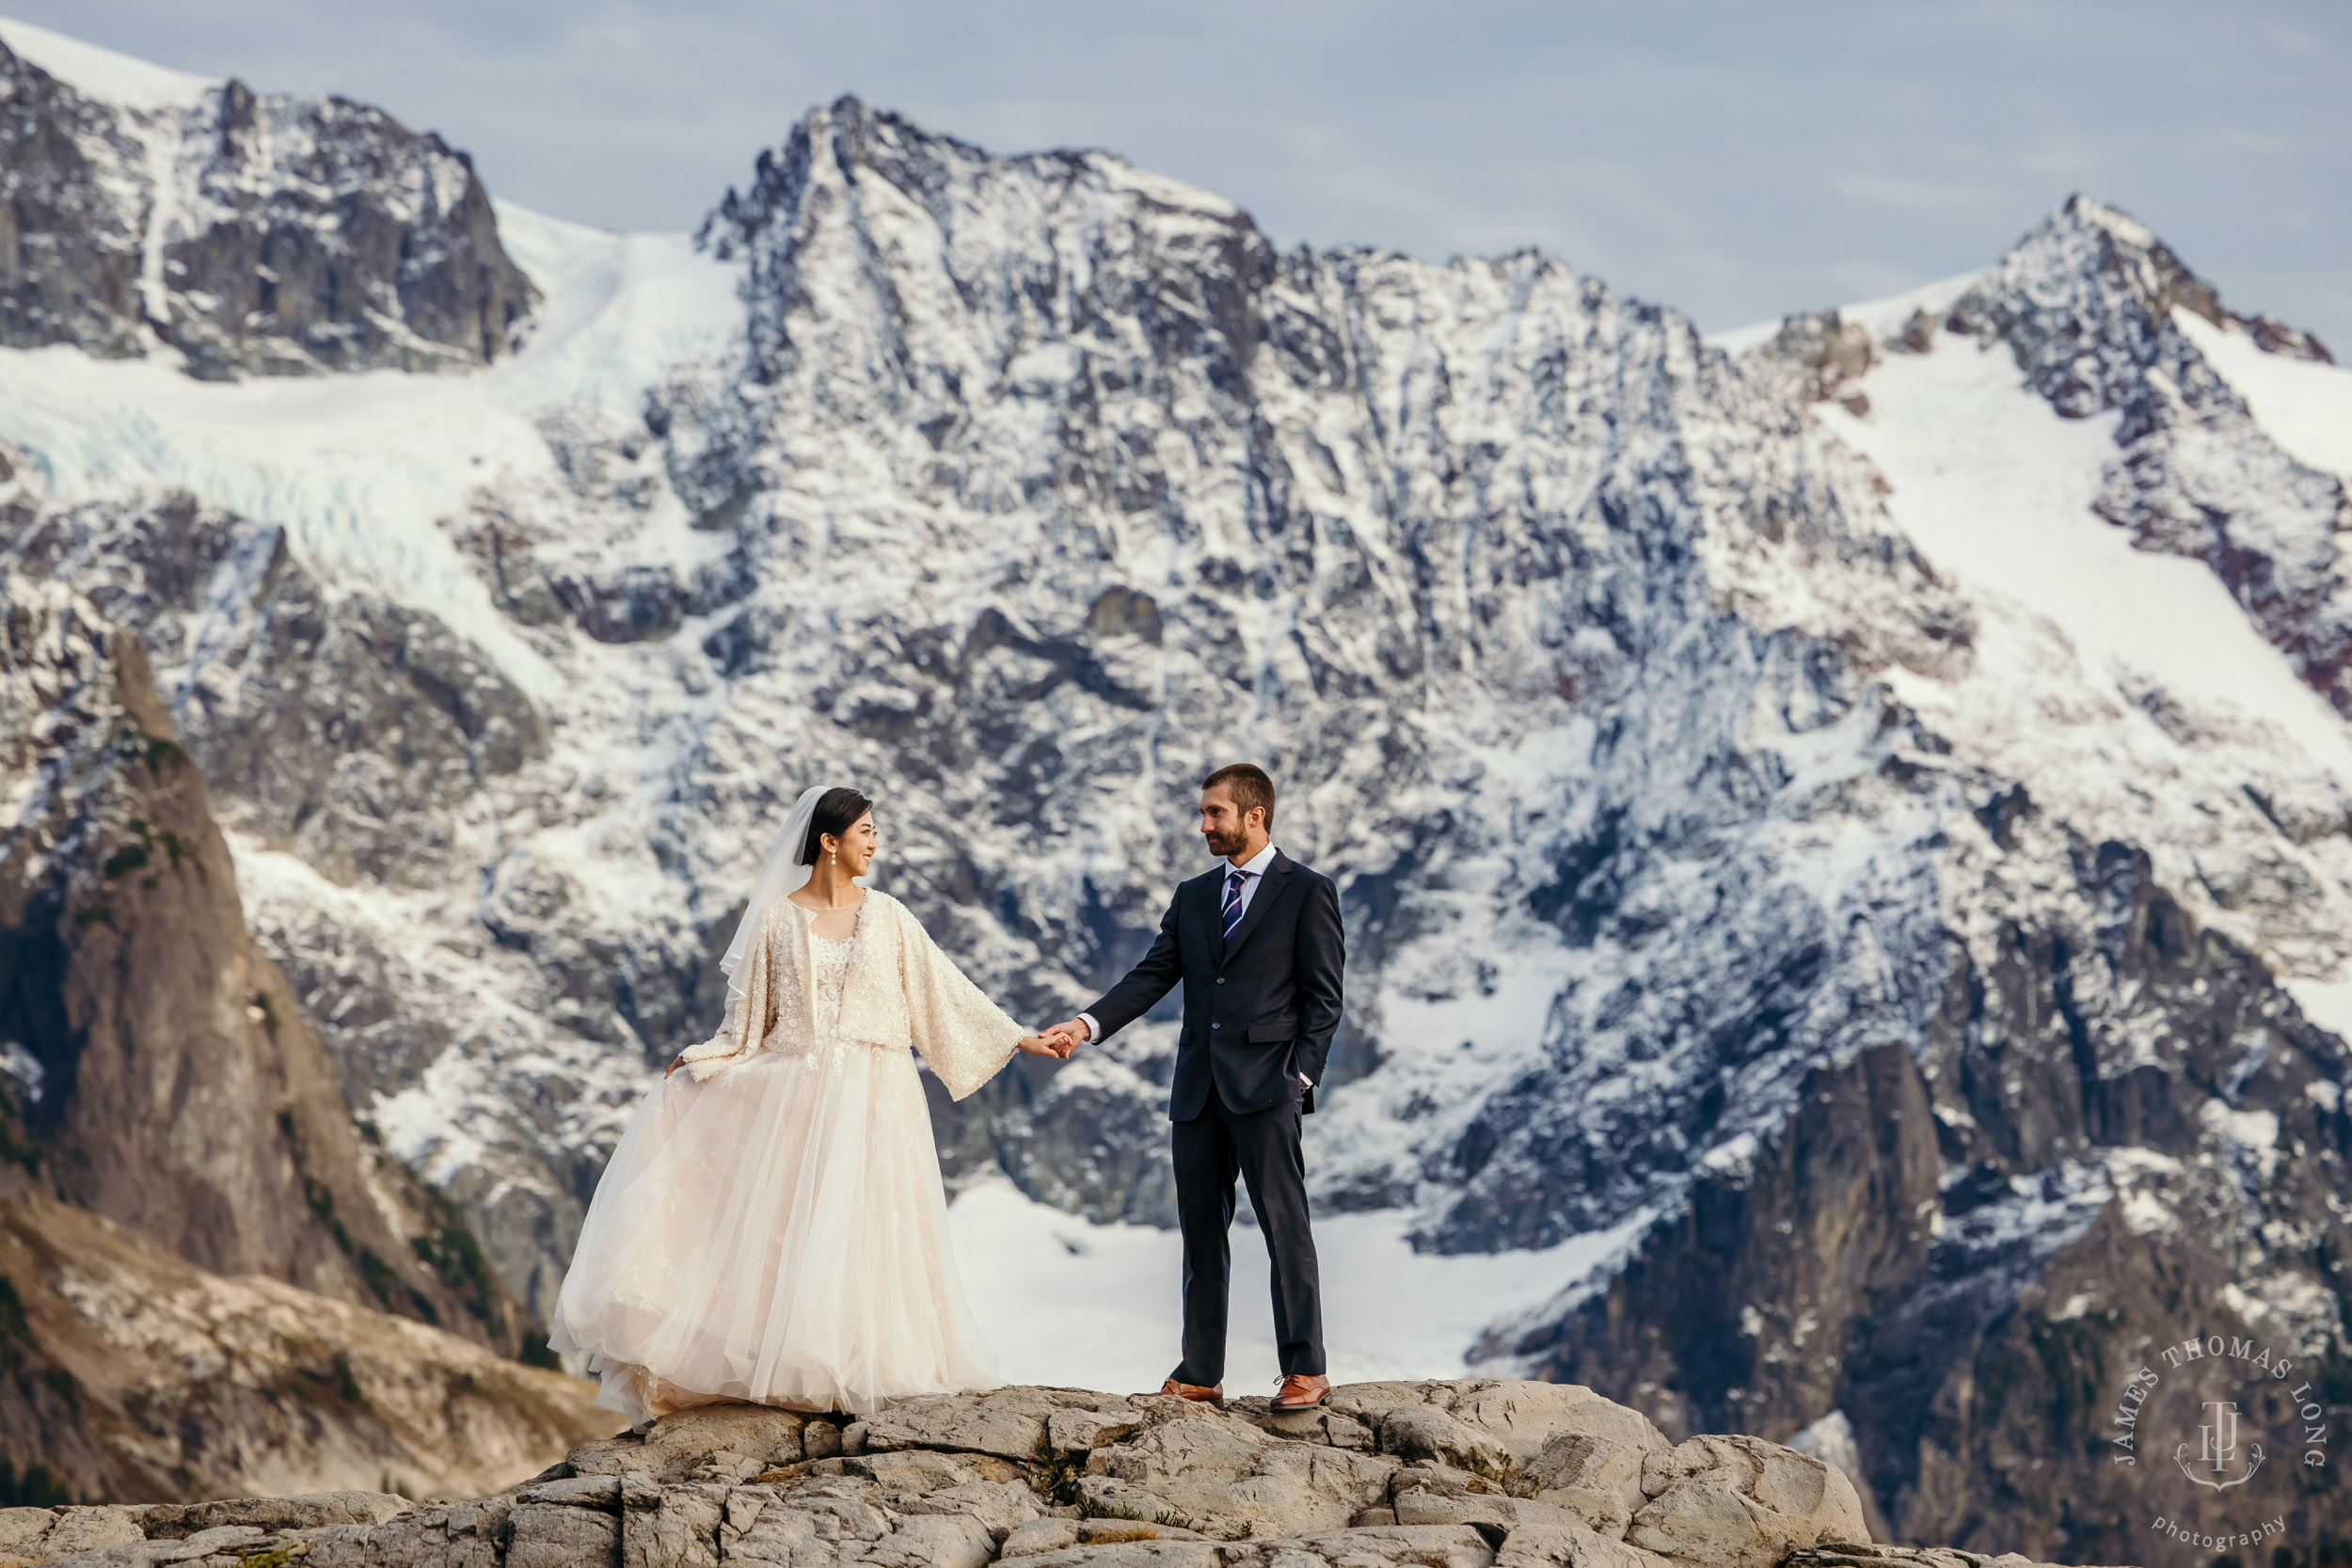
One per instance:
(1038,1045)
(676,1063)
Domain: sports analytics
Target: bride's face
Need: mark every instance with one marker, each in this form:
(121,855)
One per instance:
(858,845)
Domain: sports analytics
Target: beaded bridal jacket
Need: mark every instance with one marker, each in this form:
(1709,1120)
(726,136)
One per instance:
(771,1227)
(899,989)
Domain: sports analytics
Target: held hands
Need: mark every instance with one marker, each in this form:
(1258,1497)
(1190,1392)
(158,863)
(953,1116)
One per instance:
(1057,1042)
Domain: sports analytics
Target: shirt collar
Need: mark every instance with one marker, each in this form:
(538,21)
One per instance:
(1255,865)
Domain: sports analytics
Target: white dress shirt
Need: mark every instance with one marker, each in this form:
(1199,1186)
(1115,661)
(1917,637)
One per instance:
(1252,871)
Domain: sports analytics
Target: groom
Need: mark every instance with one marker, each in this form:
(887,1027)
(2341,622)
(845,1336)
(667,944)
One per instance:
(1258,945)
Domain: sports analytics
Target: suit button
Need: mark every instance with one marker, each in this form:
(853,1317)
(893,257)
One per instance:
(1220,979)
(1216,1026)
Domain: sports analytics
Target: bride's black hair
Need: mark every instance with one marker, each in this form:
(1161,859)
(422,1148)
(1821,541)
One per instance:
(836,809)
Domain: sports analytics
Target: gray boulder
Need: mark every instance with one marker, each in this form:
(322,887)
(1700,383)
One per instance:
(1740,1502)
(1429,1546)
(1008,1422)
(1223,1476)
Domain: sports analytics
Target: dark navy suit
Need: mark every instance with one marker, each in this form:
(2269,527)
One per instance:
(1260,1010)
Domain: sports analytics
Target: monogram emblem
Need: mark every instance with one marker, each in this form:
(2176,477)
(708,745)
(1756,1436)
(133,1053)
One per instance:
(2218,1452)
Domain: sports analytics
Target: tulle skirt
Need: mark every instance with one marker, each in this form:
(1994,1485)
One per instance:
(777,1233)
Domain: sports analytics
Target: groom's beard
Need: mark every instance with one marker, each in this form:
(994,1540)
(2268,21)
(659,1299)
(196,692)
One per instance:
(1227,845)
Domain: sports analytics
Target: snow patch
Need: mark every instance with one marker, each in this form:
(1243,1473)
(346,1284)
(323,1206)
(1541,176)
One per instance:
(362,470)
(1831,1440)
(2326,1003)
(617,310)
(1069,1303)
(1996,487)
(2303,404)
(103,75)
(1733,1157)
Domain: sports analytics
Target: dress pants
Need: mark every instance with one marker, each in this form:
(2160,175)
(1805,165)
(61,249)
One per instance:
(1262,1149)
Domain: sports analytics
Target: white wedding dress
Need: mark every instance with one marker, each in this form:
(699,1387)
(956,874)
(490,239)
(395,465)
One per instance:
(777,1232)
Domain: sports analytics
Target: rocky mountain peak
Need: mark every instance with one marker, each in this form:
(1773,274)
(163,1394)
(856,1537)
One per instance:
(2083,300)
(2093,307)
(863,218)
(253,233)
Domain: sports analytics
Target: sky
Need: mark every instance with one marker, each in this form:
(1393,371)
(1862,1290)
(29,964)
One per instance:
(1738,159)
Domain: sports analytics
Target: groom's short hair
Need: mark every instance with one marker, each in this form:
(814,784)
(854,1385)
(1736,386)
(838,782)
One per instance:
(1249,786)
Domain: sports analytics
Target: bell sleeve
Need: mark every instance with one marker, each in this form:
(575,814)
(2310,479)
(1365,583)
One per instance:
(960,1034)
(749,1016)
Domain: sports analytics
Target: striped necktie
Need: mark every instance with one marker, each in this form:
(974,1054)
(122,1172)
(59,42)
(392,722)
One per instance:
(1234,881)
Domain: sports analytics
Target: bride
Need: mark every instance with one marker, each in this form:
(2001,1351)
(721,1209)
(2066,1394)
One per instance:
(771,1227)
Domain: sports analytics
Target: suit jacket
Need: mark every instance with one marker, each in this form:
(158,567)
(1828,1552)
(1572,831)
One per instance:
(1258,1009)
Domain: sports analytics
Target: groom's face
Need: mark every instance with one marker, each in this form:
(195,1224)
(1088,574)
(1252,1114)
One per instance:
(1222,823)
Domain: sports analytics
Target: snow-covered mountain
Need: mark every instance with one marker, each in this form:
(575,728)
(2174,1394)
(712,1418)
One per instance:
(249,233)
(1843,828)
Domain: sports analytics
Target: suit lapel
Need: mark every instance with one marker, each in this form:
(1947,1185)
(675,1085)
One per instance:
(1269,889)
(1204,922)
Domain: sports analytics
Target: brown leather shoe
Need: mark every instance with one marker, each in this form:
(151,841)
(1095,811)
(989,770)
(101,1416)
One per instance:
(1302,1392)
(1193,1391)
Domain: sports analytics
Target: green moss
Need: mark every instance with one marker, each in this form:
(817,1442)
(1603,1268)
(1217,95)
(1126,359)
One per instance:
(39,1487)
(94,915)
(381,1280)
(153,750)
(61,1384)
(129,857)
(181,849)
(424,1304)
(454,1255)
(1504,1475)
(1055,1478)
(321,1203)
(536,1353)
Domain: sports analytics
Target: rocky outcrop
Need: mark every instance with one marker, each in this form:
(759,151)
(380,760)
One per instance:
(128,1374)
(1438,1474)
(253,233)
(1821,354)
(164,1084)
(164,1075)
